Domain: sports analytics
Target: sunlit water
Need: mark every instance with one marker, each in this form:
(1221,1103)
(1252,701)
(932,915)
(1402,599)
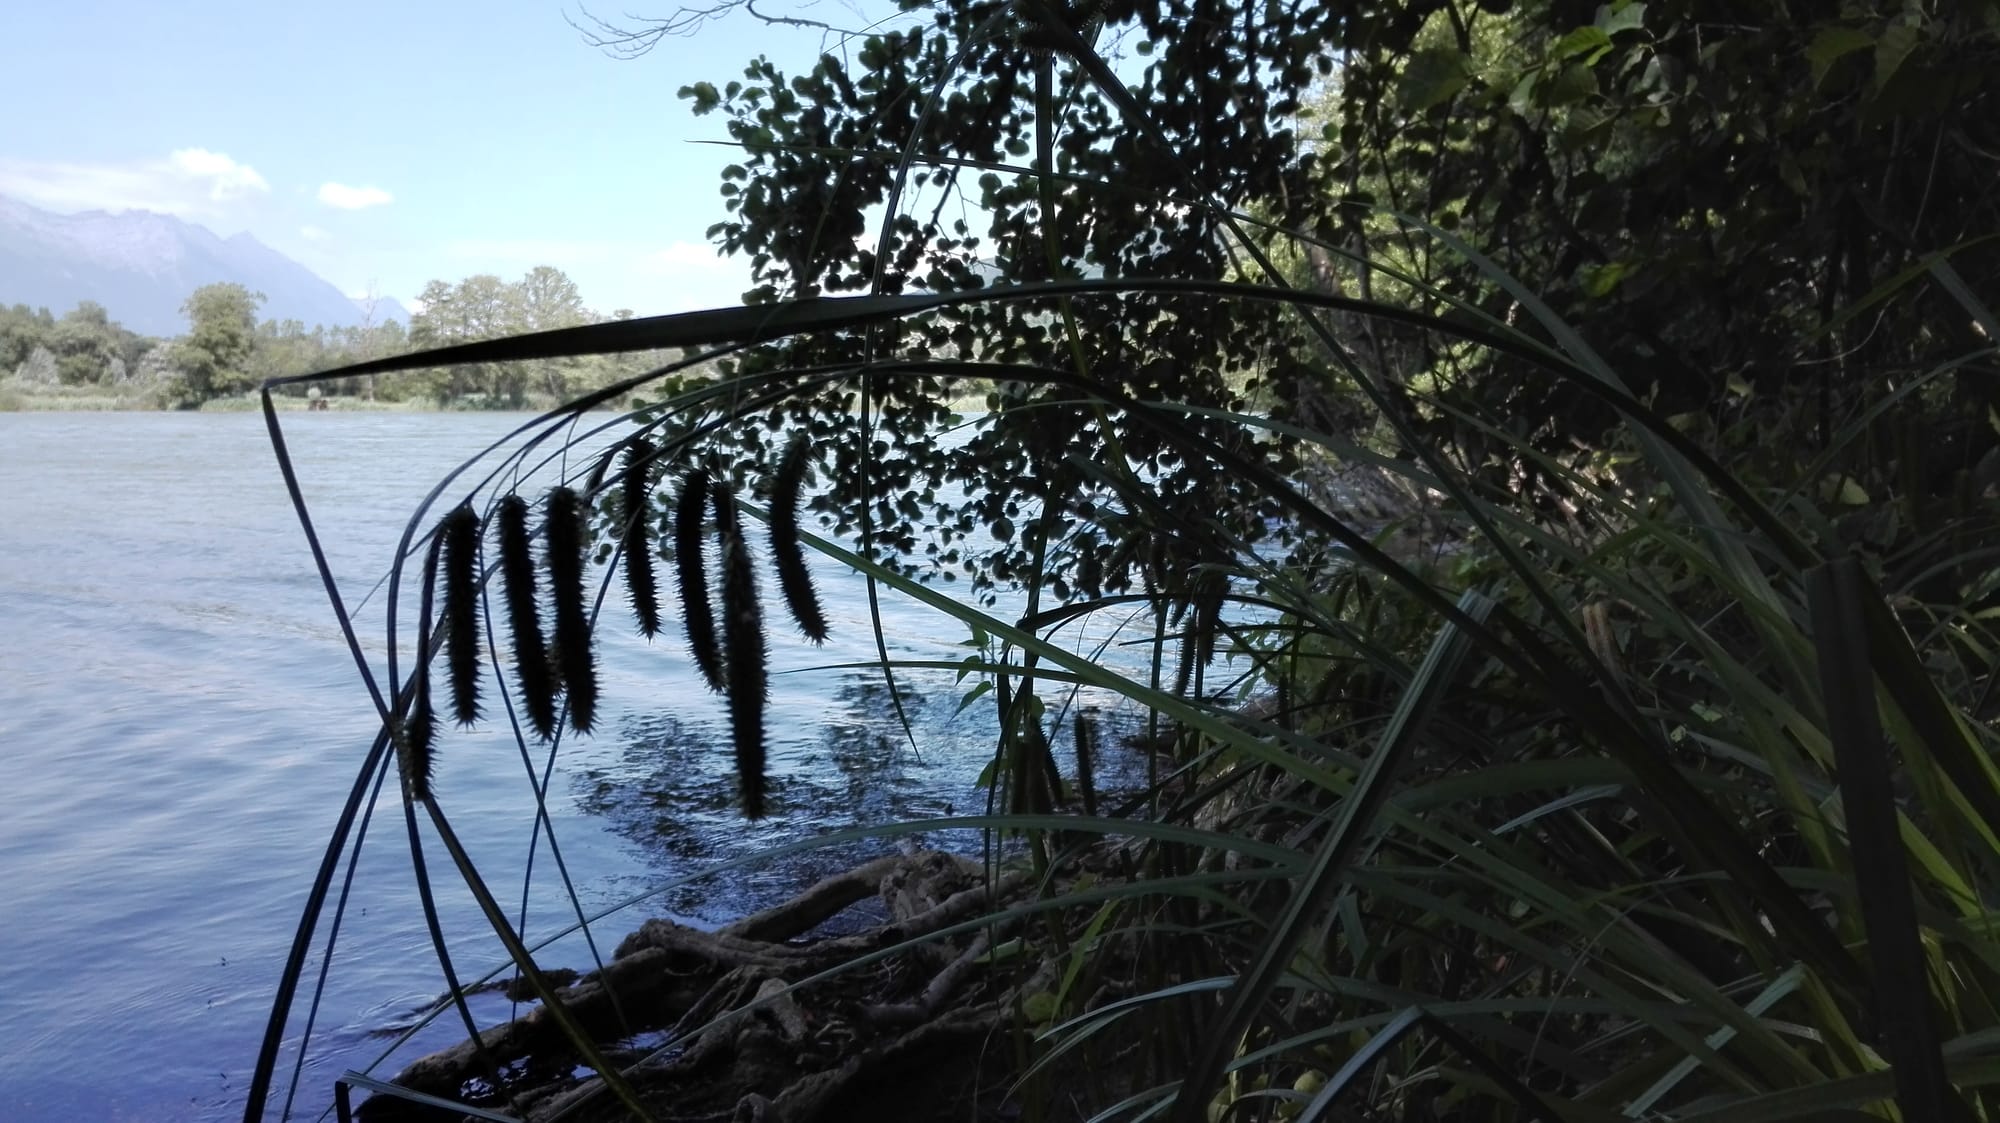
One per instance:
(182,719)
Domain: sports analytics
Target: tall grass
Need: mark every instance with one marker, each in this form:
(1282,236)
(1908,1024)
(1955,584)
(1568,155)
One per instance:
(1662,803)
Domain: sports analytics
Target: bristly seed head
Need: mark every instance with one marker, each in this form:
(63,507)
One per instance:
(636,511)
(419,729)
(748,681)
(531,657)
(460,530)
(697,611)
(572,623)
(787,553)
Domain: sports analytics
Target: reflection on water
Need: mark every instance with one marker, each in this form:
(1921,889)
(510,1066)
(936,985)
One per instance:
(672,788)
(183,720)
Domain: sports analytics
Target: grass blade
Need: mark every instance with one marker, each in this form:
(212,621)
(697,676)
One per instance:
(1906,1032)
(1345,838)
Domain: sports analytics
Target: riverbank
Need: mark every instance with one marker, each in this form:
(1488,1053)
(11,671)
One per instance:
(175,658)
(15,398)
(39,398)
(876,986)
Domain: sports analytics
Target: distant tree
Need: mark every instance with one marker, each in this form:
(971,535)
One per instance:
(155,368)
(485,307)
(214,356)
(370,303)
(22,329)
(549,300)
(283,348)
(85,341)
(38,369)
(386,338)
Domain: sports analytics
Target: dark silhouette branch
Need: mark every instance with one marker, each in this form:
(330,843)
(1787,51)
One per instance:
(638,36)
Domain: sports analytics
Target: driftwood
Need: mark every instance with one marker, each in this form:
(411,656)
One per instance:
(743,1039)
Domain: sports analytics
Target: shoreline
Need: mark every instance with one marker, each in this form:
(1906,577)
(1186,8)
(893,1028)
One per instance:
(12,402)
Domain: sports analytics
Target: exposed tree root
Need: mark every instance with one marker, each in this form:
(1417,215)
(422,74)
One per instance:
(894,1036)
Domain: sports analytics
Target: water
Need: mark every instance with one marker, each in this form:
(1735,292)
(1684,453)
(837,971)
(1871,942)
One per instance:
(182,719)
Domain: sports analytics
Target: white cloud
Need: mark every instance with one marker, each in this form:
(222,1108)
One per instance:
(226,178)
(313,234)
(189,181)
(352,198)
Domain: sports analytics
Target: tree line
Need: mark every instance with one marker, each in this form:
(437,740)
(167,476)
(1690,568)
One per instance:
(228,349)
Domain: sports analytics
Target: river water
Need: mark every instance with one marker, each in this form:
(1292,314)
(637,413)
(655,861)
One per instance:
(181,720)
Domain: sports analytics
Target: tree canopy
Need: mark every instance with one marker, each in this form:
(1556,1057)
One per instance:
(214,356)
(1714,197)
(485,307)
(228,350)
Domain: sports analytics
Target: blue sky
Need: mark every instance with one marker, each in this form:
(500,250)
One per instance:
(389,144)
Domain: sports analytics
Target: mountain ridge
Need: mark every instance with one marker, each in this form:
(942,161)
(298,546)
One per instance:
(142,266)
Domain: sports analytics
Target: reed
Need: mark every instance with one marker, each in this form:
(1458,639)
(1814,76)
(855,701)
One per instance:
(1084,736)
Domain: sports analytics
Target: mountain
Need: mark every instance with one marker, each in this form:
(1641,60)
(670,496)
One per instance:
(141,266)
(385,308)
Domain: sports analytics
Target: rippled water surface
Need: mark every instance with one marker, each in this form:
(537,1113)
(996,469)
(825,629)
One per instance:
(182,719)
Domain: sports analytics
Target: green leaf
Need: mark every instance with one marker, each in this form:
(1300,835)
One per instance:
(1576,82)
(1039,1007)
(1897,41)
(1793,176)
(1433,76)
(1522,97)
(1586,43)
(1352,828)
(1830,46)
(1614,18)
(973,695)
(1839,598)
(1600,280)
(704,95)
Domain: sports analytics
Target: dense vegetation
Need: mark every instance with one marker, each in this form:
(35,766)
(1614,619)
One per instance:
(86,357)
(1551,451)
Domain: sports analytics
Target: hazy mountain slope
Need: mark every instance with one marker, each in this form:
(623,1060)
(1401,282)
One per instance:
(141,266)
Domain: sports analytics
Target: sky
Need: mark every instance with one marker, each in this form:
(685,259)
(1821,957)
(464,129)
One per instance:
(385,145)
